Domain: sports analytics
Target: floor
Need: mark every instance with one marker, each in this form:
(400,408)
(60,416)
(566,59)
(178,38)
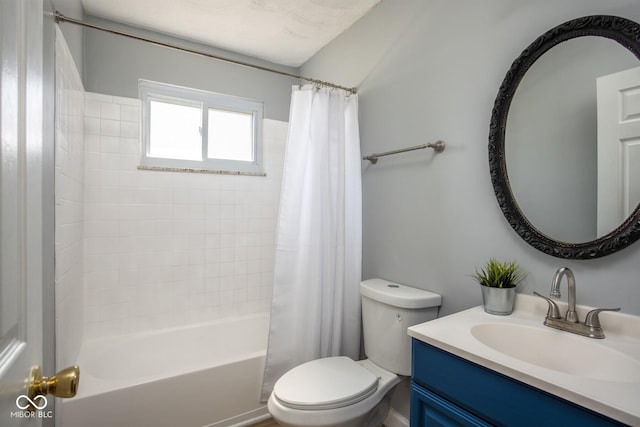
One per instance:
(271,423)
(266,423)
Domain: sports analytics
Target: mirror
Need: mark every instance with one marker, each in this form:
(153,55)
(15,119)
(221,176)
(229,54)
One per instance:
(565,185)
(553,121)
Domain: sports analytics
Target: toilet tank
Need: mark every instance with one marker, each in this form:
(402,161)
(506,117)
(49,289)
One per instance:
(388,309)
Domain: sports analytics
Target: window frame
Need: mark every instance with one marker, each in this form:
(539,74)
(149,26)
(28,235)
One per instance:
(154,91)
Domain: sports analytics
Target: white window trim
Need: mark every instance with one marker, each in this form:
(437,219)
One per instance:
(181,95)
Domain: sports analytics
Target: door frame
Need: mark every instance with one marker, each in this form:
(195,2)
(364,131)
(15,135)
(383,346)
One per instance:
(48,195)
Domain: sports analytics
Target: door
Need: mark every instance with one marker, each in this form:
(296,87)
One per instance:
(21,210)
(618,147)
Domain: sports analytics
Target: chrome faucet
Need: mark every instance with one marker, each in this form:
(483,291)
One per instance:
(571,315)
(590,328)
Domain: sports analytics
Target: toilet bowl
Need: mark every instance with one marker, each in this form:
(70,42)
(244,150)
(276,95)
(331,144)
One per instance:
(341,392)
(334,391)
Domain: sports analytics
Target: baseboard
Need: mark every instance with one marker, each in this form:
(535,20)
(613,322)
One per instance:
(395,419)
(246,419)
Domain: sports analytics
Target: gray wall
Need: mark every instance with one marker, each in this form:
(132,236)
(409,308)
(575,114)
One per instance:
(73,34)
(430,70)
(113,64)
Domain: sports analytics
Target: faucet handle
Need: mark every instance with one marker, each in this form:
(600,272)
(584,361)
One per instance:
(593,319)
(553,312)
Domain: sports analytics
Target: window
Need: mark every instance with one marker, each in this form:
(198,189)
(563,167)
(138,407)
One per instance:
(191,129)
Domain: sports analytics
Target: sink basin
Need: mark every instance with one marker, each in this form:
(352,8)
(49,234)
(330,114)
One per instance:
(558,351)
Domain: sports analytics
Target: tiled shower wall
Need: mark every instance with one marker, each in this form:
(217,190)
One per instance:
(69,211)
(165,249)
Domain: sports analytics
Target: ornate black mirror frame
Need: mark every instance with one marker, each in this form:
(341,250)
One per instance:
(627,34)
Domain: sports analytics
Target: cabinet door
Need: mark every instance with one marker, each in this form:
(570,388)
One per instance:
(429,409)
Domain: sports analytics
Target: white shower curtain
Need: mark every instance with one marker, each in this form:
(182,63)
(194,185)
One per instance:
(316,305)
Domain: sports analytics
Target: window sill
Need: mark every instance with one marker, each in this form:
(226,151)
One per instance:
(193,170)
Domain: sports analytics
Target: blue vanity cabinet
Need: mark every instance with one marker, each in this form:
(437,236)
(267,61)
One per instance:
(429,409)
(447,390)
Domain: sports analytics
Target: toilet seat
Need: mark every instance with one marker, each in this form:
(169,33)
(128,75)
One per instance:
(328,383)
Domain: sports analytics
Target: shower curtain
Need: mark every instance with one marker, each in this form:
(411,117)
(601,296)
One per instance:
(316,304)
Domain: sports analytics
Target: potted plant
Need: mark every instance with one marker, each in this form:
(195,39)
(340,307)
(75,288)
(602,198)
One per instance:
(498,282)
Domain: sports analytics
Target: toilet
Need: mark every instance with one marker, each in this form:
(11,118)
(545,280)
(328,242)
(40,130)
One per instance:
(338,391)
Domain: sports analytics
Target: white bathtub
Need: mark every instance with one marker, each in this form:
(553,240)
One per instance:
(204,375)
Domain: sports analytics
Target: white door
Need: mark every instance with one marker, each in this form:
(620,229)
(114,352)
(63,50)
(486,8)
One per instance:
(21,234)
(618,147)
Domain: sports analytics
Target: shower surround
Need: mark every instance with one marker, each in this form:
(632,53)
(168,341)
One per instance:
(144,253)
(165,249)
(141,250)
(69,210)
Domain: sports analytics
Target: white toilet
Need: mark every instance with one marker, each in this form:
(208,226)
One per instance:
(337,391)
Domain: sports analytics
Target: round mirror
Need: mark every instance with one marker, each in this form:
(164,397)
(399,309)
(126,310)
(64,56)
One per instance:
(564,142)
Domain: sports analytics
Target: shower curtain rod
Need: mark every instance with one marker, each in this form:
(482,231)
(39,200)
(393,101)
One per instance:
(59,17)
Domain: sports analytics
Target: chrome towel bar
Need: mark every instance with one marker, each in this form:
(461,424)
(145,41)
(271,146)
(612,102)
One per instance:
(437,146)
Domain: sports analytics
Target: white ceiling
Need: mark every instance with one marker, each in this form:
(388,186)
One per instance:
(286,32)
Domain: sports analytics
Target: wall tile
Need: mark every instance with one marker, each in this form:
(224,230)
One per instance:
(164,248)
(69,200)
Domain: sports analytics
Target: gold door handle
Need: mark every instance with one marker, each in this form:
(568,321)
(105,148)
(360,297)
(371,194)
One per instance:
(62,384)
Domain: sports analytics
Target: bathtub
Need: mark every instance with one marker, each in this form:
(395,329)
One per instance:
(203,375)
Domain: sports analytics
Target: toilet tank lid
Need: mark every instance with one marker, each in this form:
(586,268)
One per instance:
(398,295)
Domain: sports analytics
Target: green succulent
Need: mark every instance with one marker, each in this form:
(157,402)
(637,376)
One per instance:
(499,274)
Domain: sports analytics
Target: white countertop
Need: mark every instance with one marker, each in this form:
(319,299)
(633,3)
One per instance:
(619,400)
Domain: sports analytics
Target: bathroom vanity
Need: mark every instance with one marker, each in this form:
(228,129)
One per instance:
(472,368)
(459,392)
